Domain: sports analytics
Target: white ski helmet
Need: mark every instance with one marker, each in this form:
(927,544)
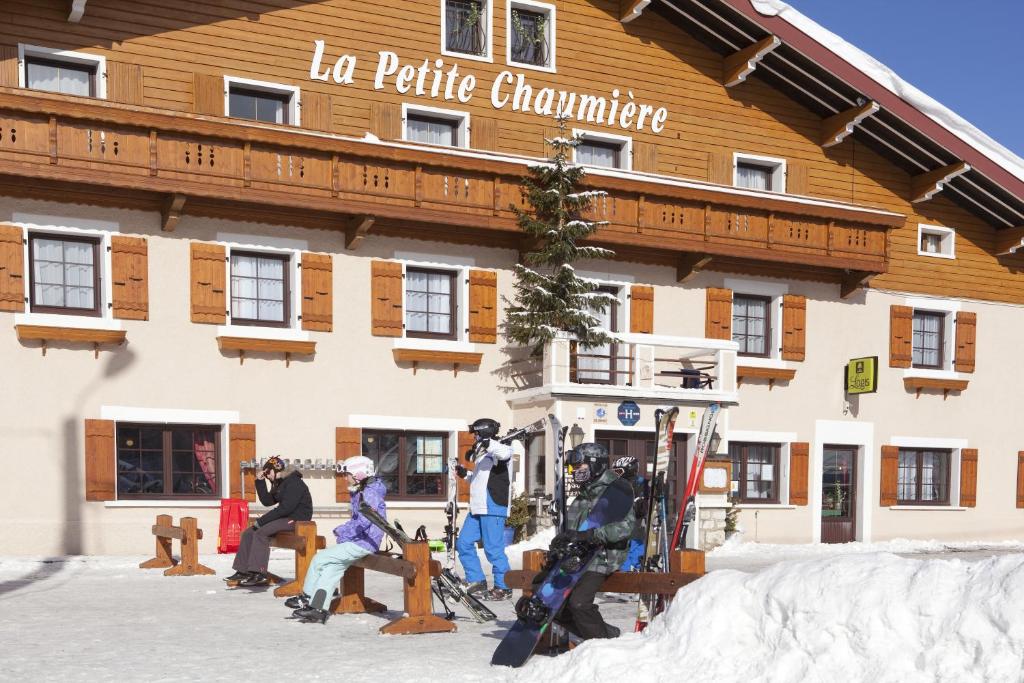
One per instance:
(359,466)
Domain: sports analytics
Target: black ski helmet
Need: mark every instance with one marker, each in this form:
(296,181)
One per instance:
(626,467)
(485,428)
(589,461)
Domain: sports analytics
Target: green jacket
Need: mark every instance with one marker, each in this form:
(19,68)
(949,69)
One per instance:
(616,534)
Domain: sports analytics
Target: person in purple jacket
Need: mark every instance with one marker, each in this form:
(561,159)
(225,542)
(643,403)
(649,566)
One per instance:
(356,538)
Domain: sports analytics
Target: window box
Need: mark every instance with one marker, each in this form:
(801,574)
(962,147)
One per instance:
(531,35)
(773,375)
(261,101)
(62,71)
(759,173)
(453,358)
(285,346)
(945,385)
(70,334)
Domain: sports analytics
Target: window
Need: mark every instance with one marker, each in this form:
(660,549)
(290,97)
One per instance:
(259,289)
(937,241)
(163,461)
(430,303)
(759,173)
(929,340)
(260,101)
(923,476)
(602,364)
(531,35)
(435,126)
(751,324)
(466,27)
(62,71)
(411,464)
(65,274)
(606,151)
(755,469)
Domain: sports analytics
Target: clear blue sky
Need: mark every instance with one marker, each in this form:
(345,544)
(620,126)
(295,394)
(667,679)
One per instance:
(966,55)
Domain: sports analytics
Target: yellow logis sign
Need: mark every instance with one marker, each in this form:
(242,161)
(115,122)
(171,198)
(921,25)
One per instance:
(862,375)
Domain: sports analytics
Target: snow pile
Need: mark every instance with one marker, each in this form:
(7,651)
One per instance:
(735,548)
(873,617)
(889,80)
(540,540)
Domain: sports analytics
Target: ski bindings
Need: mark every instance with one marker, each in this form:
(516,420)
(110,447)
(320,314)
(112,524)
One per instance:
(531,609)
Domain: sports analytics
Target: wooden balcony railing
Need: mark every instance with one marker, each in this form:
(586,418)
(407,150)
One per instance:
(276,172)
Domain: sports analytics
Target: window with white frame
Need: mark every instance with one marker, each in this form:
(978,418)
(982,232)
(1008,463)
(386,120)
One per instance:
(65,273)
(62,71)
(531,34)
(431,303)
(759,173)
(466,28)
(929,339)
(260,290)
(603,150)
(924,476)
(261,101)
(432,126)
(752,324)
(755,471)
(937,241)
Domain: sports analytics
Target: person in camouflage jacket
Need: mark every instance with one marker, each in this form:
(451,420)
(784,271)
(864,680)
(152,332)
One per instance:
(590,469)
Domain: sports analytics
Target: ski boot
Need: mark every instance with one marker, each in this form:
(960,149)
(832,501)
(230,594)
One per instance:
(612,631)
(255,580)
(497,594)
(312,615)
(476,589)
(238,577)
(297,602)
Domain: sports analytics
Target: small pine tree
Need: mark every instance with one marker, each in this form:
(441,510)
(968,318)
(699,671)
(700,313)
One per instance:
(549,296)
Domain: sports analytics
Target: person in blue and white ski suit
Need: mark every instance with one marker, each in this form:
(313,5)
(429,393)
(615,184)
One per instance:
(490,495)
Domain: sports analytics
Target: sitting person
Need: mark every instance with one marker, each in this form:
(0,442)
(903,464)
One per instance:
(294,504)
(356,538)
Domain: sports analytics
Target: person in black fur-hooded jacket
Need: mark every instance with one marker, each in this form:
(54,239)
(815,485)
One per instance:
(294,504)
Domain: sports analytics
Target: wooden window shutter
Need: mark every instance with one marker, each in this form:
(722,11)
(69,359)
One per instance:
(386,120)
(966,327)
(796,178)
(208,94)
(794,319)
(316,111)
(890,476)
(799,457)
(720,168)
(209,298)
(466,441)
(386,294)
(12,269)
(645,157)
(968,477)
(9,66)
(100,463)
(901,335)
(1020,479)
(718,318)
(483,133)
(317,292)
(641,309)
(124,83)
(348,441)
(483,306)
(129,268)
(242,447)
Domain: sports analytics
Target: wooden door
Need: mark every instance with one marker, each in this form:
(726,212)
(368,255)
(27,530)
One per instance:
(839,494)
(641,445)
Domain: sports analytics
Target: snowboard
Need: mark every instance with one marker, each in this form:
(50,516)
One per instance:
(565,565)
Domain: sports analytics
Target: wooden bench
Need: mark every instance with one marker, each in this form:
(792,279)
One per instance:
(304,541)
(416,569)
(189,534)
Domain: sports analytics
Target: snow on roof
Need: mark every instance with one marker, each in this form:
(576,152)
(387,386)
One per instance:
(888,79)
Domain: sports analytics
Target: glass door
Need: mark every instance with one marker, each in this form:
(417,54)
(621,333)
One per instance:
(839,494)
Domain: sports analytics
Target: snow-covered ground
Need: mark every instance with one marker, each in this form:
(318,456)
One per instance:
(794,613)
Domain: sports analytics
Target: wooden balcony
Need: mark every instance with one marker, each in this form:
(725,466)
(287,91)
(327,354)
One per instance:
(81,149)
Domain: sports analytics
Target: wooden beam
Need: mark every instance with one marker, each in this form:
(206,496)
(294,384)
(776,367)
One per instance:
(925,186)
(854,280)
(838,127)
(357,229)
(1009,241)
(631,9)
(77,11)
(690,264)
(741,64)
(170,214)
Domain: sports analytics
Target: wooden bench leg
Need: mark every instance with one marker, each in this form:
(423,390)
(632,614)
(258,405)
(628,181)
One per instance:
(353,599)
(163,557)
(189,551)
(418,607)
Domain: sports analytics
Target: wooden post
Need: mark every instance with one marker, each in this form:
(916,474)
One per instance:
(163,557)
(305,549)
(533,560)
(686,562)
(353,598)
(189,551)
(420,617)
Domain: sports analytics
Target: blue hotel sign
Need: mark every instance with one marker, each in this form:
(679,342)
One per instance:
(629,413)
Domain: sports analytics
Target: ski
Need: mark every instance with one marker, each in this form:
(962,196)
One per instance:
(396,535)
(700,454)
(653,559)
(558,500)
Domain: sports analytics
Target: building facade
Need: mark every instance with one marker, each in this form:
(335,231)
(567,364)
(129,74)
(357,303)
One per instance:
(238,230)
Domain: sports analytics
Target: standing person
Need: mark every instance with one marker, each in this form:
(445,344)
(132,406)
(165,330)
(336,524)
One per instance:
(358,537)
(294,504)
(628,468)
(590,470)
(490,487)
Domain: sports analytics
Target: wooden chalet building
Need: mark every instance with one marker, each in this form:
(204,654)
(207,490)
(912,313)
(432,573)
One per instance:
(233,229)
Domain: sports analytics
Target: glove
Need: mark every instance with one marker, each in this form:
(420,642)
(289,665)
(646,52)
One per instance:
(255,524)
(461,471)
